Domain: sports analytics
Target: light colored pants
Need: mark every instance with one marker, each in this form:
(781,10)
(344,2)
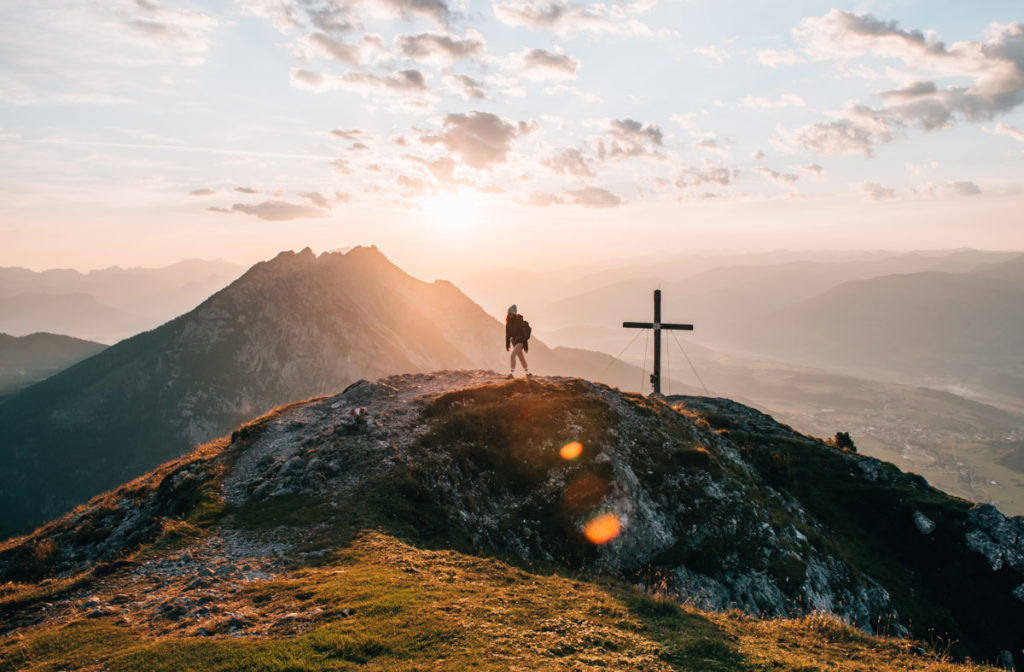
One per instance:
(517,350)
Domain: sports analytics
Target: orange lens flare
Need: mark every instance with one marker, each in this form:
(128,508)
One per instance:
(571,451)
(602,528)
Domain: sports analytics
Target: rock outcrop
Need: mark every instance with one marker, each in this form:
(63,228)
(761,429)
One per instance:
(703,500)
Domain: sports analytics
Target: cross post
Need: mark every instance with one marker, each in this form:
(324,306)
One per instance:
(657,326)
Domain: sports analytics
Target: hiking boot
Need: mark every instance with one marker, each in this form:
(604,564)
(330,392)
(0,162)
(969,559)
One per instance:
(529,376)
(509,377)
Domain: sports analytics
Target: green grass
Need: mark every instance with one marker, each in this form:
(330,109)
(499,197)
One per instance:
(414,609)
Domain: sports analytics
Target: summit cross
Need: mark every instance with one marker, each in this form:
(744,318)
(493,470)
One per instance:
(657,326)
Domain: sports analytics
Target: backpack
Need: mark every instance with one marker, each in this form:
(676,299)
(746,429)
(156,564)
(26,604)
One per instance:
(526,330)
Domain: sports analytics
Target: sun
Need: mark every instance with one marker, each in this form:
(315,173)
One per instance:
(451,210)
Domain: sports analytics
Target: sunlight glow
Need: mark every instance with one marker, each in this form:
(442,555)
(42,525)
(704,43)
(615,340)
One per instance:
(453,211)
(571,450)
(602,528)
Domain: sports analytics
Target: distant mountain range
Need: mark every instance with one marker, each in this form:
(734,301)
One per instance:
(106,305)
(947,327)
(32,358)
(290,328)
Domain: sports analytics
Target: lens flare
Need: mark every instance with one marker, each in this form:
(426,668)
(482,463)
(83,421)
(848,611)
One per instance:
(571,450)
(602,528)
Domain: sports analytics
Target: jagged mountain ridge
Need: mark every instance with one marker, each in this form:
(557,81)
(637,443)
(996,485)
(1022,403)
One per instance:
(290,328)
(717,504)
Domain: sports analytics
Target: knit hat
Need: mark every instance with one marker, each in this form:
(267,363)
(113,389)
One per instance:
(512,309)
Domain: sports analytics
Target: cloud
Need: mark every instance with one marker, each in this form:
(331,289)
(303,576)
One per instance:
(593,197)
(758,156)
(714,53)
(857,130)
(569,161)
(787,179)
(962,188)
(442,170)
(309,80)
(465,86)
(812,169)
(711,145)
(352,134)
(202,192)
(402,82)
(442,48)
(1011,131)
(541,64)
(437,11)
(334,49)
(876,192)
(318,199)
(179,29)
(247,190)
(629,138)
(342,166)
(543,199)
(277,211)
(710,172)
(774,58)
(994,67)
(569,18)
(480,139)
(785,100)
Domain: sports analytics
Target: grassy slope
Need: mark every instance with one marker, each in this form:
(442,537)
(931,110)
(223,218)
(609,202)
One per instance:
(415,609)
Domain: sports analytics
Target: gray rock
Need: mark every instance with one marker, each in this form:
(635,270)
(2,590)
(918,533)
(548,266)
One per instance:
(1005,660)
(293,467)
(264,489)
(925,525)
(998,538)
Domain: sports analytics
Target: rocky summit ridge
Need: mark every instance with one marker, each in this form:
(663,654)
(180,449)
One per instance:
(698,500)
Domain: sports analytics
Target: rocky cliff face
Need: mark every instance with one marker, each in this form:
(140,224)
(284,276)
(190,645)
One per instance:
(704,500)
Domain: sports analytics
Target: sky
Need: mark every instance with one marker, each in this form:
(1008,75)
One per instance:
(512,132)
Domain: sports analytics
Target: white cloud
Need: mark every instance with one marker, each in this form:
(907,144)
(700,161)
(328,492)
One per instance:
(785,100)
(774,58)
(711,145)
(994,67)
(857,130)
(876,192)
(629,138)
(180,29)
(710,172)
(714,53)
(444,48)
(465,86)
(563,17)
(775,177)
(813,169)
(541,64)
(570,161)
(1011,131)
(593,197)
(480,139)
(275,211)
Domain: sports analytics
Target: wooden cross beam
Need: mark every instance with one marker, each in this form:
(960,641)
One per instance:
(657,325)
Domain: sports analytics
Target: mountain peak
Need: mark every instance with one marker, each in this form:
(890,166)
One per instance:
(713,502)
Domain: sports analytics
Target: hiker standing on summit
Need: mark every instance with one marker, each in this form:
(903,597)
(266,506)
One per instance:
(517,338)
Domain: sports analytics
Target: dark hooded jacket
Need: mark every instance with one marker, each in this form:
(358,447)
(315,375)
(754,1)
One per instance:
(514,332)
